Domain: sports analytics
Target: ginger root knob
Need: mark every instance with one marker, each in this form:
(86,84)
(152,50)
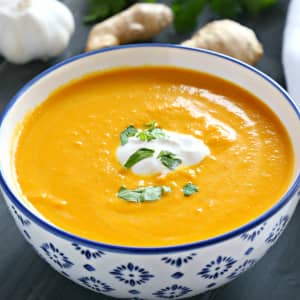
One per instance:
(139,22)
(228,37)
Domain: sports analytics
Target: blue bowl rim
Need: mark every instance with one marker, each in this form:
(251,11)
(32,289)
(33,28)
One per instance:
(148,250)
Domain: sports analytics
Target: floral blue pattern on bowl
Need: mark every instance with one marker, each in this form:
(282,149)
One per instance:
(131,274)
(174,272)
(95,284)
(87,252)
(218,267)
(55,255)
(178,261)
(248,263)
(253,234)
(172,292)
(277,229)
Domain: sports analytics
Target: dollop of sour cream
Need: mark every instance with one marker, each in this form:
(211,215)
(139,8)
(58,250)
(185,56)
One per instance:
(187,148)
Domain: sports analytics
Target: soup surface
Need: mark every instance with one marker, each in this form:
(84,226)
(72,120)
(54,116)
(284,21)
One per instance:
(67,166)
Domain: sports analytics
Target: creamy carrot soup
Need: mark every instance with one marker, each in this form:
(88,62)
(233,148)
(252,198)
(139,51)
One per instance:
(152,156)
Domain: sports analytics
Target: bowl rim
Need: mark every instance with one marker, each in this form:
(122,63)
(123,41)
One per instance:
(134,249)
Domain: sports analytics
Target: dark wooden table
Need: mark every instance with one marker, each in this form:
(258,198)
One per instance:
(24,276)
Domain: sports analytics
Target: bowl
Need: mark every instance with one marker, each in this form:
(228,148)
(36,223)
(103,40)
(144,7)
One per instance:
(154,272)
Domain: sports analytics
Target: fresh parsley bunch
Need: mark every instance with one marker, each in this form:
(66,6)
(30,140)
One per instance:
(102,9)
(186,11)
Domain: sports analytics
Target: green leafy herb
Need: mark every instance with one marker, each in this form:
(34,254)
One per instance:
(101,9)
(166,188)
(150,193)
(190,189)
(186,13)
(126,133)
(137,156)
(152,132)
(227,8)
(234,8)
(169,159)
(151,125)
(255,6)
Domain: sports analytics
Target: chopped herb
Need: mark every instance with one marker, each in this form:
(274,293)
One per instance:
(169,159)
(151,125)
(126,133)
(137,156)
(152,132)
(150,193)
(147,135)
(190,189)
(130,195)
(166,189)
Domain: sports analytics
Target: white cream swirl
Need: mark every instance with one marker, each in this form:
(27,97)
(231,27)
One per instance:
(187,148)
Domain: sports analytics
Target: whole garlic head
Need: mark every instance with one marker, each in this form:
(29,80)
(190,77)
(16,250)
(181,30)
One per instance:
(34,29)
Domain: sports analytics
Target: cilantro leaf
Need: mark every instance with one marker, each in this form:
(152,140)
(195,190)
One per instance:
(152,132)
(151,125)
(190,189)
(255,6)
(186,13)
(169,159)
(149,135)
(227,8)
(166,189)
(126,133)
(137,156)
(130,195)
(101,9)
(150,193)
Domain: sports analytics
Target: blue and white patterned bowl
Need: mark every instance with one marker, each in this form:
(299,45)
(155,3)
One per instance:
(150,273)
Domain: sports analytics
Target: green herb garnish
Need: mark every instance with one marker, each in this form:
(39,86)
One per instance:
(190,189)
(137,156)
(152,132)
(151,125)
(126,133)
(150,193)
(169,159)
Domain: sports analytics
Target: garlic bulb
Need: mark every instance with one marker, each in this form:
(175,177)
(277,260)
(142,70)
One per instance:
(34,29)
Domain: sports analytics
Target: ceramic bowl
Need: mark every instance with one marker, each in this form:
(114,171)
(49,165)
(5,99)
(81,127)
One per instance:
(150,273)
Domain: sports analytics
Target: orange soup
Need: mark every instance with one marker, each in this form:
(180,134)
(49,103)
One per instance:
(67,165)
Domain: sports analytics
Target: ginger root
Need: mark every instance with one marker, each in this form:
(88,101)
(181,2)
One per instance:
(137,23)
(228,37)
